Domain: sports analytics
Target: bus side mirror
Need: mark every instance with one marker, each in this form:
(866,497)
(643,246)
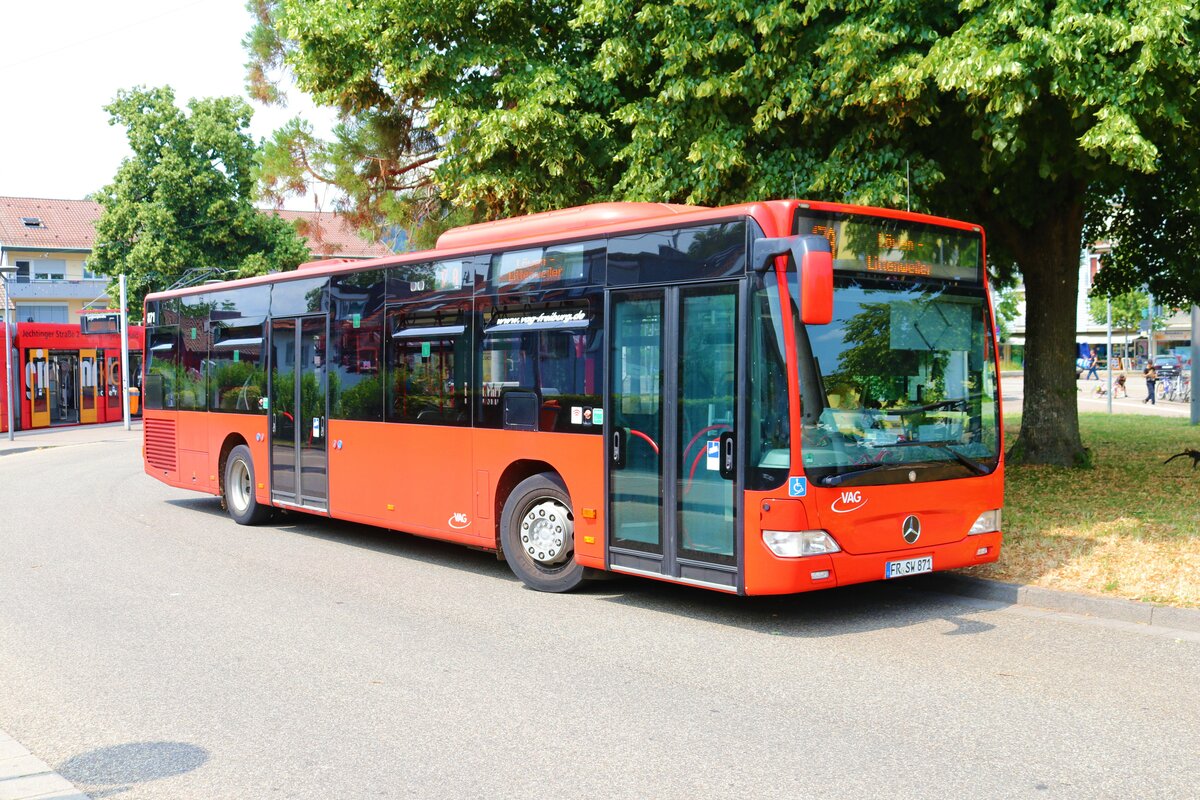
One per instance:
(813,259)
(816,288)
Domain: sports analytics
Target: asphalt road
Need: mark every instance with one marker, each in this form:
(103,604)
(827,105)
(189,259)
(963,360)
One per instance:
(150,648)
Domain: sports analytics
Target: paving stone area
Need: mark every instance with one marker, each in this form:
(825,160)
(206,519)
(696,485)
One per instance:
(24,776)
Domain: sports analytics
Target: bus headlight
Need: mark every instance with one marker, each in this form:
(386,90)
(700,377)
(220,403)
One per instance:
(796,544)
(988,522)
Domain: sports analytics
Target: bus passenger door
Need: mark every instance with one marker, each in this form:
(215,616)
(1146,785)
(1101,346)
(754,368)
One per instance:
(89,384)
(673,455)
(37,388)
(298,408)
(112,387)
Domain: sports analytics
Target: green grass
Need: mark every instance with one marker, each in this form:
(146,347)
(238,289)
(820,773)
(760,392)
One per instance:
(1127,527)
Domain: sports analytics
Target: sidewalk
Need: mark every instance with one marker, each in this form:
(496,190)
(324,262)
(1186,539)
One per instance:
(69,435)
(24,776)
(1163,619)
(1012,387)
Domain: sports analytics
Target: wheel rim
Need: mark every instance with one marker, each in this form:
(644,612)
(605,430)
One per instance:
(239,486)
(547,533)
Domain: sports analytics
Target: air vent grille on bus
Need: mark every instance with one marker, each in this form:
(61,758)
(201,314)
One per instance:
(160,443)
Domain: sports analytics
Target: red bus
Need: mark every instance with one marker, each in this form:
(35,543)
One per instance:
(765,398)
(69,374)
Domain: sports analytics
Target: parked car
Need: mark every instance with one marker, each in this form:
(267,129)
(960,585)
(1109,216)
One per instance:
(1168,365)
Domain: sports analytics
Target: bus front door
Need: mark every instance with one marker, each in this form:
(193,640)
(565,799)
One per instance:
(672,411)
(299,386)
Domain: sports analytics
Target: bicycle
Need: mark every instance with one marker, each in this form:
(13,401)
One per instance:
(1183,389)
(1165,388)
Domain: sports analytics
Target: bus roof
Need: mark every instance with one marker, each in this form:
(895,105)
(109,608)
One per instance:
(563,220)
(568,223)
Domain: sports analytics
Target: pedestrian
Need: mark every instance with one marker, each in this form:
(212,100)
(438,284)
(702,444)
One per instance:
(1151,380)
(1119,387)
(1093,363)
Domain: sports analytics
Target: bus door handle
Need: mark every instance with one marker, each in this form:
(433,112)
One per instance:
(728,456)
(618,447)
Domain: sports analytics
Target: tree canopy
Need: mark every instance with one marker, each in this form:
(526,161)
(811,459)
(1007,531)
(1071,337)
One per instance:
(1128,309)
(1011,113)
(1154,228)
(184,199)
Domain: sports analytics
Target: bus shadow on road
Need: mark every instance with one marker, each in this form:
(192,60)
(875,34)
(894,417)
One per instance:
(369,537)
(829,612)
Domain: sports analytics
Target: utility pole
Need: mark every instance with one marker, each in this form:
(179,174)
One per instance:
(1108,305)
(8,360)
(1149,326)
(124,355)
(1195,351)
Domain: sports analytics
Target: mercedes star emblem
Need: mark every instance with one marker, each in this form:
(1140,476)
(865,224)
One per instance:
(911,529)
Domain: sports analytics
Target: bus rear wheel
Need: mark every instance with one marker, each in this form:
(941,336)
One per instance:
(239,489)
(537,532)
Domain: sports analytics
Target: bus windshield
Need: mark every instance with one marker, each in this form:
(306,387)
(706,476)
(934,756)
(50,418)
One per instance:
(901,385)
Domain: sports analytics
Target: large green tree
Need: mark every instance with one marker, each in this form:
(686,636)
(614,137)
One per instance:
(501,93)
(1154,228)
(184,199)
(1010,113)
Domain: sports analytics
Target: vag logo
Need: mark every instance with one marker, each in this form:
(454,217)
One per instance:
(459,521)
(848,501)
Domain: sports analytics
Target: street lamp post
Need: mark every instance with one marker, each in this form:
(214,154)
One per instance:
(5,270)
(124,356)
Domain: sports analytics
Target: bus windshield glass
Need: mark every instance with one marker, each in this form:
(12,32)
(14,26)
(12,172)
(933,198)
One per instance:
(901,385)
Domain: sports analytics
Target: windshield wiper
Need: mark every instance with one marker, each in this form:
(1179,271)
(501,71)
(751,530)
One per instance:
(842,477)
(969,463)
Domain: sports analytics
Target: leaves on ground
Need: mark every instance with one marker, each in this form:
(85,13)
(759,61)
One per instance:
(1128,527)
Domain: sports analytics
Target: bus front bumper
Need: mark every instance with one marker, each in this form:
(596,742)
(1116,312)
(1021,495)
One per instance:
(842,569)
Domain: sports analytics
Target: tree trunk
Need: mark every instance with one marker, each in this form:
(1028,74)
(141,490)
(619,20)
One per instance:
(1049,262)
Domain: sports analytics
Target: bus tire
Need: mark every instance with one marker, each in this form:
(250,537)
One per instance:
(239,489)
(537,534)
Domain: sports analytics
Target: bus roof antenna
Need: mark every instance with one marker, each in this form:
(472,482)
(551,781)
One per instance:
(907,188)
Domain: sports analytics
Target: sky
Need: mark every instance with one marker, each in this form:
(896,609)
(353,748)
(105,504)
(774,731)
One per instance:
(62,61)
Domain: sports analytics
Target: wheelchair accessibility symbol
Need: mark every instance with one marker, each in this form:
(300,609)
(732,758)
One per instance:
(797,487)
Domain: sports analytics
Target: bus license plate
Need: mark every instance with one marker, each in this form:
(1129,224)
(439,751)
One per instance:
(909,566)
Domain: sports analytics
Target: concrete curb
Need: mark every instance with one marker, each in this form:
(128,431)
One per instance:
(24,776)
(1187,619)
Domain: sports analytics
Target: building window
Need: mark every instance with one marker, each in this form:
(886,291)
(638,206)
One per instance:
(43,312)
(49,269)
(88,275)
(32,222)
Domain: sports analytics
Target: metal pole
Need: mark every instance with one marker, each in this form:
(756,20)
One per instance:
(1195,361)
(1108,304)
(8,365)
(1150,325)
(124,356)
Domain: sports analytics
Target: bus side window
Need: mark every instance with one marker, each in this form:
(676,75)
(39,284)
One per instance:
(426,374)
(507,365)
(560,366)
(162,367)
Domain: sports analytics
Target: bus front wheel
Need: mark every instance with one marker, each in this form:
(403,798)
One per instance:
(537,533)
(239,489)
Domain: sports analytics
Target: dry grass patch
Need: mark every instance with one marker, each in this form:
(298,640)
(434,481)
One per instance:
(1128,527)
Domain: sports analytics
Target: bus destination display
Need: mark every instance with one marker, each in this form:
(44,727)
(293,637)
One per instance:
(883,246)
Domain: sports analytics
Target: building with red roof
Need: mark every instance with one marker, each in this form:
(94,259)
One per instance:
(49,242)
